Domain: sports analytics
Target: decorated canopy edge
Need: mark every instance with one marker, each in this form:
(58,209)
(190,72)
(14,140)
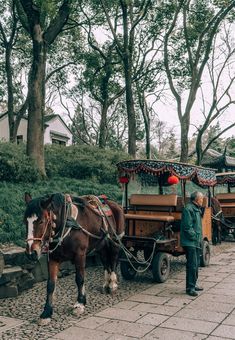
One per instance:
(225,178)
(199,175)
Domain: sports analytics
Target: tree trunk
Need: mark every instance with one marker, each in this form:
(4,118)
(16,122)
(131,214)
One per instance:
(103,126)
(127,61)
(130,110)
(184,139)
(199,148)
(10,98)
(36,99)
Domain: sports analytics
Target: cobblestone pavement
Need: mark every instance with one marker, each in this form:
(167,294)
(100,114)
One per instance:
(19,316)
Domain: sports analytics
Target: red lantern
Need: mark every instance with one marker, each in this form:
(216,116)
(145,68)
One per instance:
(173,180)
(123,179)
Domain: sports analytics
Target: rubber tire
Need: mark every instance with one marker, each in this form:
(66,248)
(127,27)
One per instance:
(128,273)
(161,267)
(205,254)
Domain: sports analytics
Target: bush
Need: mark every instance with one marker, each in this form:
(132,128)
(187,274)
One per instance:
(15,166)
(83,162)
(78,170)
(12,202)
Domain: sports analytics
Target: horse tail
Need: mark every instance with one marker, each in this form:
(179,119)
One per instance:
(118,215)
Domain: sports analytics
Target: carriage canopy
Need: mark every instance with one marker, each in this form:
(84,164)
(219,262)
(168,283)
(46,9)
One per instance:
(161,170)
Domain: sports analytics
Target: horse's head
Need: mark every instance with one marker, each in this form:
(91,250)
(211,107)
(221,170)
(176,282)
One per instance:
(39,220)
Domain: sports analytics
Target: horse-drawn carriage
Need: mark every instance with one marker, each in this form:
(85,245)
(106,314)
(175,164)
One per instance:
(224,211)
(155,193)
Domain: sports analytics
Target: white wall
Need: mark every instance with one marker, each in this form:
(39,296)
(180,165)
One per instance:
(56,125)
(4,129)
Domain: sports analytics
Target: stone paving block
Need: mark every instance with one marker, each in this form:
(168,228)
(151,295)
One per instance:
(152,319)
(154,290)
(7,323)
(221,291)
(207,285)
(91,322)
(211,337)
(229,279)
(173,334)
(76,333)
(149,299)
(179,301)
(173,283)
(172,292)
(213,306)
(126,304)
(121,337)
(214,278)
(184,324)
(216,298)
(225,331)
(201,314)
(126,328)
(227,269)
(225,285)
(180,276)
(230,320)
(120,314)
(159,309)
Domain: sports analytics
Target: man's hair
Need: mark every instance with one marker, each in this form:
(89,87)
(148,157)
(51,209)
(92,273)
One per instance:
(195,195)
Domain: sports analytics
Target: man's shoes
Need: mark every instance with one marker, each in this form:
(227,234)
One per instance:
(191,292)
(198,288)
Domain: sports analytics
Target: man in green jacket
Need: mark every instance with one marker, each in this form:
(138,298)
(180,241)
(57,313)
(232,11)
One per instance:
(190,239)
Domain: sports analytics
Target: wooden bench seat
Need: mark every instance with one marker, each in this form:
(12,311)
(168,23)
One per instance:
(154,200)
(227,204)
(226,196)
(142,204)
(148,217)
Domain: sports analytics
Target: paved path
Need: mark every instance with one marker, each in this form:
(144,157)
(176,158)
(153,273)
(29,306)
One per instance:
(164,311)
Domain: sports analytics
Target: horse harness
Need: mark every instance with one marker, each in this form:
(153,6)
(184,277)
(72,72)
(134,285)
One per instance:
(70,223)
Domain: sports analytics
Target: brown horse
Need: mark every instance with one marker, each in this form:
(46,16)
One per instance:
(71,228)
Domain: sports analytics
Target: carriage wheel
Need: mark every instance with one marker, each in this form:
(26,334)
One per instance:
(205,254)
(160,267)
(127,271)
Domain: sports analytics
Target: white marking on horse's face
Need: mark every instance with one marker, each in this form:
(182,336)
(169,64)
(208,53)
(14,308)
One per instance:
(30,237)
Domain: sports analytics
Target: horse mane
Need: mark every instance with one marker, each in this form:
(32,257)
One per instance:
(58,200)
(80,202)
(34,207)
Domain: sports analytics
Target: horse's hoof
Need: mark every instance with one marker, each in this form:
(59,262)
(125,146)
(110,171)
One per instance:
(44,322)
(78,309)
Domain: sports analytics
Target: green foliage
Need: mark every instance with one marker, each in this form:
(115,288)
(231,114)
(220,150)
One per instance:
(15,166)
(12,228)
(83,162)
(78,170)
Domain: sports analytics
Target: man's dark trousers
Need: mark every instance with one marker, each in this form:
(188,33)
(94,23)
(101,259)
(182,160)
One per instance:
(193,262)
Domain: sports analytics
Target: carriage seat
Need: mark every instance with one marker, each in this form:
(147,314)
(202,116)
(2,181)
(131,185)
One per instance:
(181,204)
(227,200)
(152,207)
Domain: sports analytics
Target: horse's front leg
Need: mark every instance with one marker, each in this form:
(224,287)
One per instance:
(53,268)
(80,262)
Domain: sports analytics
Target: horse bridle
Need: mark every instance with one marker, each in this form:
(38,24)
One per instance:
(49,222)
